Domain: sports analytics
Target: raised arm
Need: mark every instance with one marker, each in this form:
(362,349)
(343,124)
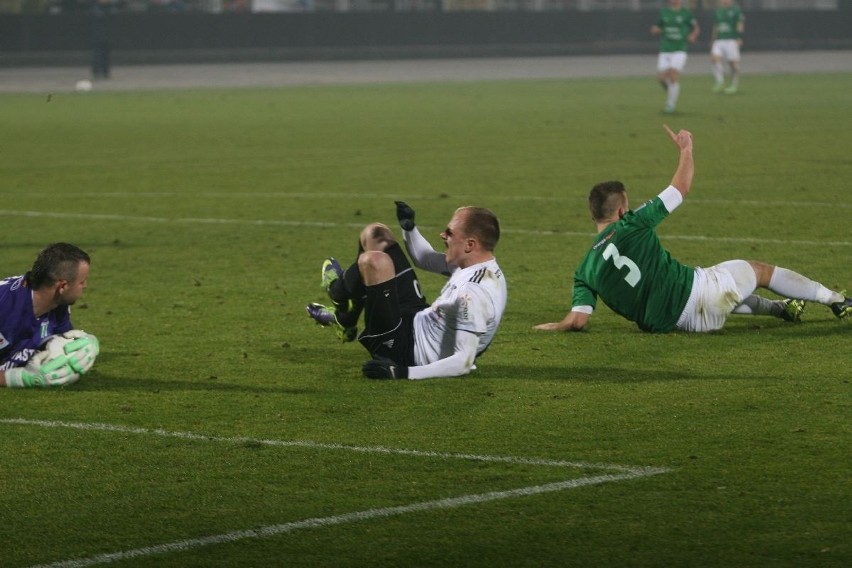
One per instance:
(419,249)
(682,179)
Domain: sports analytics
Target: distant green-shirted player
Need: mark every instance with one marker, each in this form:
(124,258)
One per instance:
(676,27)
(728,30)
(628,268)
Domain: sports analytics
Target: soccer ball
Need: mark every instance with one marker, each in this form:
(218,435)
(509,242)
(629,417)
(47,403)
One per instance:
(83,86)
(55,345)
(63,362)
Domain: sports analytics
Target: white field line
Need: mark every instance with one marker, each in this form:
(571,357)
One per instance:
(93,426)
(626,473)
(272,530)
(328,224)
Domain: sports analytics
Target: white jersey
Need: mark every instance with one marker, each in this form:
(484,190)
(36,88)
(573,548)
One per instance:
(473,301)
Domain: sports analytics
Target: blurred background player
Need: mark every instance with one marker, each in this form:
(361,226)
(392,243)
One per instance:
(728,28)
(34,307)
(676,27)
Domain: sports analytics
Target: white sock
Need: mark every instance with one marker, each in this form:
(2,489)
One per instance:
(791,284)
(719,72)
(735,77)
(674,92)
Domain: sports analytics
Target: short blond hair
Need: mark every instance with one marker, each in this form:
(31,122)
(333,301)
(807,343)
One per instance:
(482,224)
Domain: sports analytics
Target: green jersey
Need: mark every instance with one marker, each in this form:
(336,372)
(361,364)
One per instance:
(675,26)
(633,274)
(726,22)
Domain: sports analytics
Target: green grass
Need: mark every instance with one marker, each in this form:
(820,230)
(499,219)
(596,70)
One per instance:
(207,215)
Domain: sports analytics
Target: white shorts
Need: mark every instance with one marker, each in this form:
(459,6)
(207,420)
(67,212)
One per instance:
(671,60)
(716,291)
(727,49)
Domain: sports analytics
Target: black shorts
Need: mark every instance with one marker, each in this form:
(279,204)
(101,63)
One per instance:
(387,332)
(409,296)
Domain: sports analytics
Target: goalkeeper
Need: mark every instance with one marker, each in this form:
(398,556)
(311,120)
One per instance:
(36,306)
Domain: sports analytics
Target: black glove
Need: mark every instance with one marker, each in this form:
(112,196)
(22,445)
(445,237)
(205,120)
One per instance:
(384,368)
(405,214)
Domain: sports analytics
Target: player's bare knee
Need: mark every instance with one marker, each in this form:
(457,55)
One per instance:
(376,237)
(375,266)
(763,272)
(370,259)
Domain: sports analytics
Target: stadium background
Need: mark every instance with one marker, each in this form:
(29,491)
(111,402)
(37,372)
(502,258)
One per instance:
(38,32)
(185,197)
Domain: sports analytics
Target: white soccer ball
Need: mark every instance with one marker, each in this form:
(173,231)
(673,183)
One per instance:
(55,345)
(83,86)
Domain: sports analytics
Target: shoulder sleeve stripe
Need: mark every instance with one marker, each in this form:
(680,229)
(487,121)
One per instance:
(478,275)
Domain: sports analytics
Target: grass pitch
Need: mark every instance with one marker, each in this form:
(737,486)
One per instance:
(221,427)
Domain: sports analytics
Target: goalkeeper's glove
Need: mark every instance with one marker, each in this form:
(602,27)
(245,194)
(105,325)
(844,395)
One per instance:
(405,214)
(38,373)
(383,368)
(82,351)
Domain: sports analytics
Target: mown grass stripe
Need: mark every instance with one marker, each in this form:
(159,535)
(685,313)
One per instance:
(286,223)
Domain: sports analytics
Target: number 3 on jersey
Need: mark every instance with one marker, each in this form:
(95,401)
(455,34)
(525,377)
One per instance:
(633,272)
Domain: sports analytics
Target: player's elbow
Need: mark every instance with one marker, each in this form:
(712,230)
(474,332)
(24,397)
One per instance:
(683,188)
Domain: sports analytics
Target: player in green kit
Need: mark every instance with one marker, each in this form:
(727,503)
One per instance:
(676,27)
(628,268)
(728,28)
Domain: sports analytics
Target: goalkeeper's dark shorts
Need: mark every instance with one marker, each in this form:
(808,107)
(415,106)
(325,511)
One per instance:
(387,332)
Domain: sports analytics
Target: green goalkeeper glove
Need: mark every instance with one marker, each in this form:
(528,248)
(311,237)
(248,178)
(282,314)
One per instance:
(38,373)
(82,351)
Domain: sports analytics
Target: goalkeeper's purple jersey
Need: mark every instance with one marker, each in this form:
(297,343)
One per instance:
(21,333)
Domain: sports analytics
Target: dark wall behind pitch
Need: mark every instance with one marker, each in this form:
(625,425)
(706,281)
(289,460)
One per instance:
(180,38)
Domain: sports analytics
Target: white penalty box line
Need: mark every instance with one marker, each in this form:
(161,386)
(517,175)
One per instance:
(615,473)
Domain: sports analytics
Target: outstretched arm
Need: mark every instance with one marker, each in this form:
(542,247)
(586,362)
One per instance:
(574,321)
(458,364)
(682,179)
